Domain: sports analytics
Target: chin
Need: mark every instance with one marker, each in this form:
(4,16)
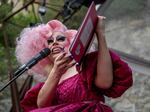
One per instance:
(54,56)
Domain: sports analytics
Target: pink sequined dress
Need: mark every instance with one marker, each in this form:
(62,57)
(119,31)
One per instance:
(78,93)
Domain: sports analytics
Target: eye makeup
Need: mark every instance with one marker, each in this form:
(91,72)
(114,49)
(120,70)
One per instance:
(49,41)
(59,38)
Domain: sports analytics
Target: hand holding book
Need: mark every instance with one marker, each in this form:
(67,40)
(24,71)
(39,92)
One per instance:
(100,28)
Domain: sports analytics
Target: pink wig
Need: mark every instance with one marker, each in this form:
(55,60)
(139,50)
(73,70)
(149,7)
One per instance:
(33,40)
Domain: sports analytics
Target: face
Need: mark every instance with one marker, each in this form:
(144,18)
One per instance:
(58,43)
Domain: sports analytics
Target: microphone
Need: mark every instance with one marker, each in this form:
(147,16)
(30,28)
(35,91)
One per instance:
(42,54)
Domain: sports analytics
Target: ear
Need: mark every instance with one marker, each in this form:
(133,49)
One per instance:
(57,25)
(70,34)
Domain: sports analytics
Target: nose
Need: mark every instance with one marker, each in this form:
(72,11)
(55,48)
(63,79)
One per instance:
(55,43)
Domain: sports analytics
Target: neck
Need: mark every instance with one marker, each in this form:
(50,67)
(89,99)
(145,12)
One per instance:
(71,70)
(69,73)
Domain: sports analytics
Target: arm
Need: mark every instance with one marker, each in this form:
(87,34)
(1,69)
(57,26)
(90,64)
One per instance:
(104,76)
(122,77)
(47,92)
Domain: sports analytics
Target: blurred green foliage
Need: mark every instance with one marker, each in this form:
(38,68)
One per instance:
(5,8)
(13,26)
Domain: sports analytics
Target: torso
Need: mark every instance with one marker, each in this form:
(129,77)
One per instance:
(69,73)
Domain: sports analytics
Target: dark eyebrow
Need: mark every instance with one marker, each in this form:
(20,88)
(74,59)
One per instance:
(59,36)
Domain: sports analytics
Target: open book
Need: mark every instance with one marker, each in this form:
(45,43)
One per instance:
(84,35)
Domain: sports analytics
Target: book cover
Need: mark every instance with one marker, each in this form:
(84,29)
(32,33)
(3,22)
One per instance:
(84,35)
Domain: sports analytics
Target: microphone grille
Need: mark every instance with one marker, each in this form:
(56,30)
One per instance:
(45,52)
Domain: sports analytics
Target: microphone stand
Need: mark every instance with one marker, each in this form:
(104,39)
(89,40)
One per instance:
(15,76)
(45,52)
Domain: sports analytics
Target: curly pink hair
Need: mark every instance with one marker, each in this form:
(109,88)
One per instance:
(33,40)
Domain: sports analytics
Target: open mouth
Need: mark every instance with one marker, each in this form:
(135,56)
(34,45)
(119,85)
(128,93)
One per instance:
(56,50)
